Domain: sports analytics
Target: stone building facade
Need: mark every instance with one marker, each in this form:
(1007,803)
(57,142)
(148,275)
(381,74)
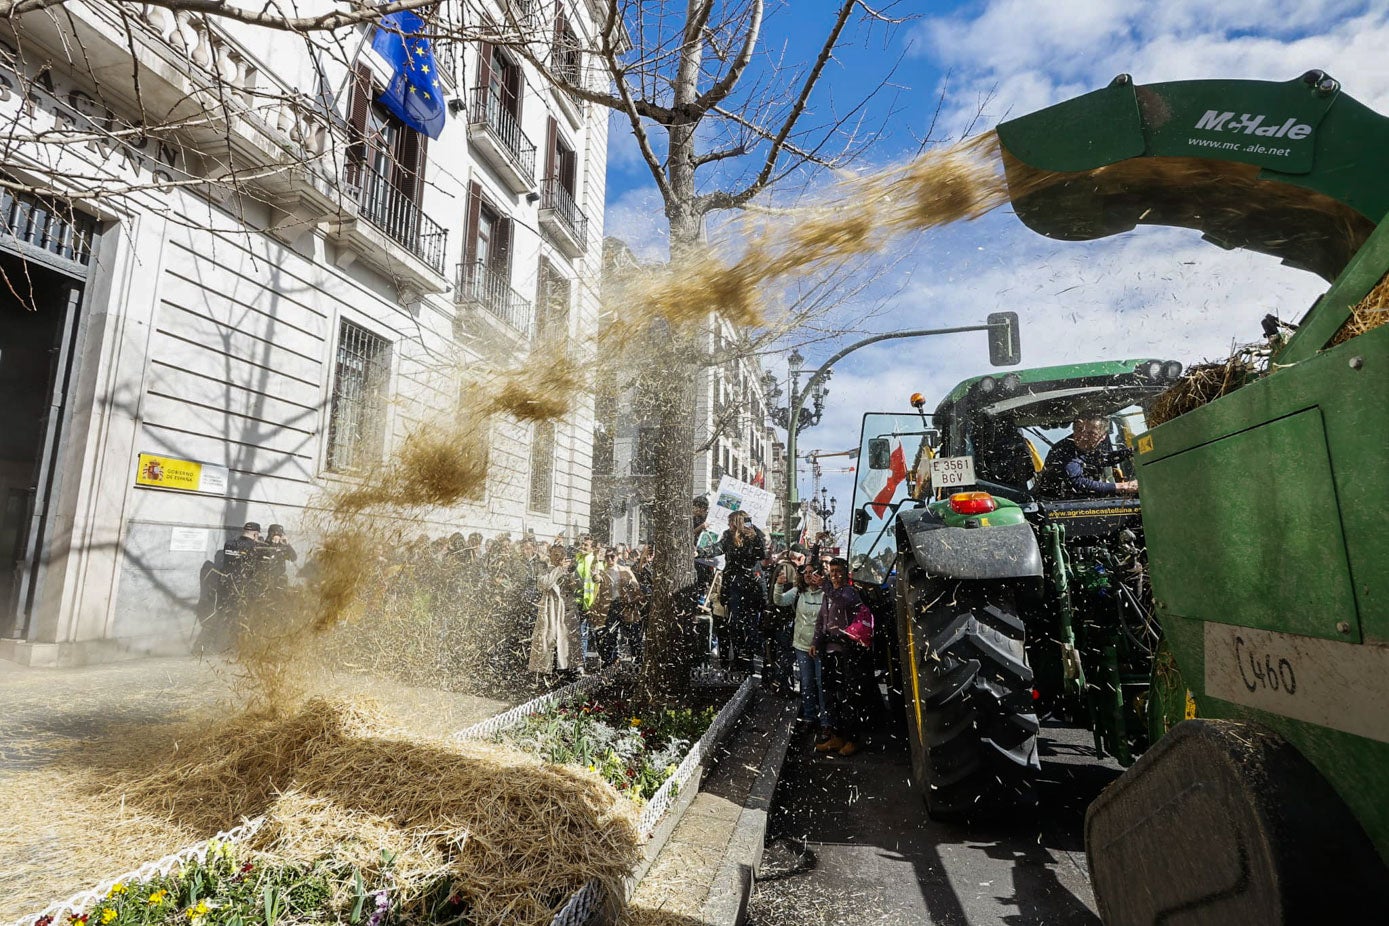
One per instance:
(264,292)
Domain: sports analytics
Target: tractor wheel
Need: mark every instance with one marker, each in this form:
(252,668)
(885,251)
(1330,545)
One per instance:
(977,751)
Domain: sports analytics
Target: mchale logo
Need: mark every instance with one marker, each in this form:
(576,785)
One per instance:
(1253,124)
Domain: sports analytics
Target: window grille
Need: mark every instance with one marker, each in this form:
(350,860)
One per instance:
(356,420)
(542,466)
(47,224)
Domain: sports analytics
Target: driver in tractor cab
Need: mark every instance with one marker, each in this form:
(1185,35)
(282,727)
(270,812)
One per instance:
(1076,465)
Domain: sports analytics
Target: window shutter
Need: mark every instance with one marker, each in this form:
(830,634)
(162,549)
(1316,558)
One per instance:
(410,161)
(358,109)
(551,149)
(484,66)
(470,235)
(502,255)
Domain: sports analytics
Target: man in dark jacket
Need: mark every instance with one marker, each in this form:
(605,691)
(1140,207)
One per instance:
(1075,467)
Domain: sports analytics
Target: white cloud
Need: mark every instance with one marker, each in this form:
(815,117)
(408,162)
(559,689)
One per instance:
(1035,54)
(637,217)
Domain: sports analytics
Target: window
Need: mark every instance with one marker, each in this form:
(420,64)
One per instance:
(356,419)
(602,451)
(382,148)
(487,253)
(502,78)
(566,60)
(542,466)
(552,300)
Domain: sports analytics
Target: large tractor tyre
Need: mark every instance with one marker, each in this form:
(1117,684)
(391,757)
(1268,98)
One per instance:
(976,754)
(1225,822)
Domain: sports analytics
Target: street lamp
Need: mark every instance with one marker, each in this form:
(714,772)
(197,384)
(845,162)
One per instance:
(781,415)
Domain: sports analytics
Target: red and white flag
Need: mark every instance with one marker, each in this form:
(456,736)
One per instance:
(880,485)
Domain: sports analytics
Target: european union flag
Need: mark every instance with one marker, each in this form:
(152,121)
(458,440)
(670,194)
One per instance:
(414,93)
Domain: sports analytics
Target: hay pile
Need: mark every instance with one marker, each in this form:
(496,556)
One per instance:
(1367,314)
(509,836)
(1200,385)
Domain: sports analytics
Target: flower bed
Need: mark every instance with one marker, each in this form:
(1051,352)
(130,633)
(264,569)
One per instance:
(634,753)
(231,885)
(227,882)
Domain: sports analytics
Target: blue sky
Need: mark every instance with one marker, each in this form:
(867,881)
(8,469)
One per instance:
(1152,292)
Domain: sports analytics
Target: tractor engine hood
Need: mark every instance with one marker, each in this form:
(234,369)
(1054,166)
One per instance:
(1297,170)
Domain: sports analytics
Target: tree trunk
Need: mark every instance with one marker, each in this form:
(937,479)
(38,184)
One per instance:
(671,394)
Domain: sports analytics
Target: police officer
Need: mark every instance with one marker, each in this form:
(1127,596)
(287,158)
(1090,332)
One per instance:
(278,553)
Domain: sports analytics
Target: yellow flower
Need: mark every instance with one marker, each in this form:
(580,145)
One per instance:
(200,909)
(636,721)
(117,888)
(157,897)
(593,768)
(108,915)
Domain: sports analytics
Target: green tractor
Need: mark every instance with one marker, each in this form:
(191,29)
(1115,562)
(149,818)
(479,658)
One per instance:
(1262,507)
(1008,602)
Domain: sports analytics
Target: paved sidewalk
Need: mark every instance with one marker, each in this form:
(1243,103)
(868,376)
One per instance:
(702,875)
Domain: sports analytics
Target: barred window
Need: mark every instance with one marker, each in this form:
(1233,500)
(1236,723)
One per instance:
(542,466)
(356,421)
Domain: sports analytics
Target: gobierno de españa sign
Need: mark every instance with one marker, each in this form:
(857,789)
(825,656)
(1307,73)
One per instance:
(161,472)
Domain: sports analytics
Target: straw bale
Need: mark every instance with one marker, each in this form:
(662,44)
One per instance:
(1200,385)
(511,836)
(1367,314)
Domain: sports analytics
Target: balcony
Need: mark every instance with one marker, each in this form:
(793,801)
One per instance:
(396,214)
(566,60)
(389,232)
(561,218)
(493,129)
(490,289)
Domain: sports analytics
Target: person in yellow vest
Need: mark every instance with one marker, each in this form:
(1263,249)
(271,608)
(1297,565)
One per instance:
(587,567)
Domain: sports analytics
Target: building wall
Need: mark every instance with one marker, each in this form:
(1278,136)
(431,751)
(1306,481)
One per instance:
(209,329)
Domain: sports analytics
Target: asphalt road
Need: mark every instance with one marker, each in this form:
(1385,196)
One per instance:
(848,842)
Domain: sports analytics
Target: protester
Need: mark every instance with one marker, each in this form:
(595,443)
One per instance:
(744,595)
(806,596)
(843,641)
(555,639)
(616,609)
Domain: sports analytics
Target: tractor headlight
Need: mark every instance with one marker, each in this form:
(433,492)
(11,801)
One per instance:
(1171,370)
(987,385)
(1011,383)
(1152,370)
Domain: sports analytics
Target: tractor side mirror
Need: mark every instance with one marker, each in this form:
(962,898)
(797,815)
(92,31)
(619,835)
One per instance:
(879,453)
(860,521)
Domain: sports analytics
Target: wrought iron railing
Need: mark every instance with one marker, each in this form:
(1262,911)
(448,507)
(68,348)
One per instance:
(566,60)
(391,210)
(491,112)
(489,288)
(557,198)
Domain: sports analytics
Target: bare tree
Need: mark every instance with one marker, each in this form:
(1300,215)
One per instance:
(686,76)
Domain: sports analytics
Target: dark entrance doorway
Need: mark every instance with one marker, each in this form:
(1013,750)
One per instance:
(38,310)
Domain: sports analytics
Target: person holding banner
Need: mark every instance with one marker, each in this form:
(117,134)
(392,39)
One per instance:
(744,548)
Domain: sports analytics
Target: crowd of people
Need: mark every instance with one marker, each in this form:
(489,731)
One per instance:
(498,610)
(796,611)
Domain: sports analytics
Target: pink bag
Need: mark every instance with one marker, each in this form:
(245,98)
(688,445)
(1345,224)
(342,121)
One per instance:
(860,629)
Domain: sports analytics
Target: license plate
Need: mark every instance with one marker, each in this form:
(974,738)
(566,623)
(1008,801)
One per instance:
(952,471)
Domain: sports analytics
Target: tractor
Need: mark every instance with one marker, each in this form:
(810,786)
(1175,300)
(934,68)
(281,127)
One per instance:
(1266,796)
(1008,603)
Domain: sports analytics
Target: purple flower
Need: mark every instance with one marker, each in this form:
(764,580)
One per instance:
(383,907)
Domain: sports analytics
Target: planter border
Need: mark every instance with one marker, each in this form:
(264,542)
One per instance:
(660,815)
(84,900)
